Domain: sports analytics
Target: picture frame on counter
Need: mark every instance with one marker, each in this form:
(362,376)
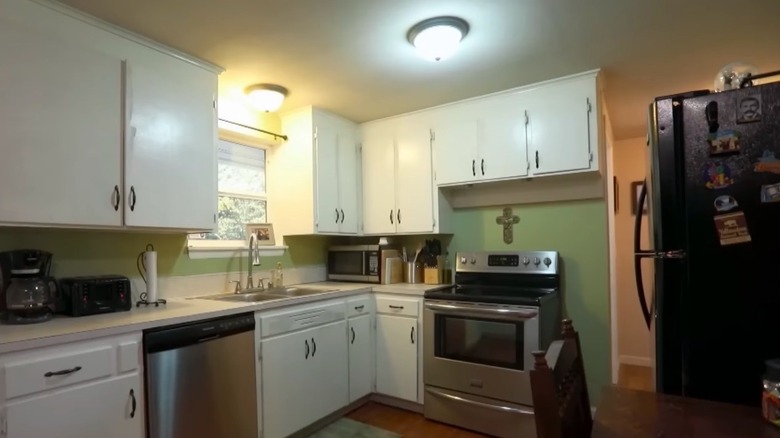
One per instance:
(264,234)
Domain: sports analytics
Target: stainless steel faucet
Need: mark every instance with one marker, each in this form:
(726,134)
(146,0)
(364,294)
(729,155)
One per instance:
(253,260)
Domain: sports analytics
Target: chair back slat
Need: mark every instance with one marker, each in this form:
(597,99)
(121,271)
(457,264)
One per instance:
(559,390)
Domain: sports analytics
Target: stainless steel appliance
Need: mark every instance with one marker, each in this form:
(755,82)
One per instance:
(26,289)
(479,335)
(713,188)
(361,263)
(80,296)
(200,379)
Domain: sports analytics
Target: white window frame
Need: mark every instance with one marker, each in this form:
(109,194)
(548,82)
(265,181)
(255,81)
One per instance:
(199,249)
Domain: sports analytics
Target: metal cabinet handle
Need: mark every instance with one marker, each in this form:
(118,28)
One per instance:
(306,341)
(314,347)
(412,335)
(62,372)
(398,216)
(396,307)
(132,397)
(473,169)
(116,198)
(391,217)
(537,159)
(353,335)
(132,198)
(337,215)
(482,166)
(479,404)
(360,307)
(342,216)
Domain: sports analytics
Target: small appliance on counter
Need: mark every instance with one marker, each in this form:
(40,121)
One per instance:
(81,296)
(27,292)
(361,263)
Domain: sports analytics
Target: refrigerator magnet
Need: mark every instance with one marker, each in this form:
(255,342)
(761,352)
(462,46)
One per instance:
(724,142)
(725,203)
(717,176)
(768,163)
(749,108)
(732,228)
(770,193)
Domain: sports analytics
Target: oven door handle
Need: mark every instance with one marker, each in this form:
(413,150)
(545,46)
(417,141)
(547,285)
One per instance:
(495,313)
(480,404)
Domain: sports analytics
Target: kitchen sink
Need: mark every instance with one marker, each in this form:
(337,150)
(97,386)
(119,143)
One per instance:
(253,297)
(295,291)
(256,295)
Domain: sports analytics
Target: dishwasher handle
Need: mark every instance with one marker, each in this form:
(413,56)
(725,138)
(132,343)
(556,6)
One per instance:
(182,335)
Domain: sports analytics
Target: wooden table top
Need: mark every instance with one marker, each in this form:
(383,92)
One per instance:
(639,414)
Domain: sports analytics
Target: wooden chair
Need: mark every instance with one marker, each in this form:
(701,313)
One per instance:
(560,395)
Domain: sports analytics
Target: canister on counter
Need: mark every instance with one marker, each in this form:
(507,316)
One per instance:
(770,401)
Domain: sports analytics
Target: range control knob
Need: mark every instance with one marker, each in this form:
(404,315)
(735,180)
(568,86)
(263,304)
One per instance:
(547,261)
(526,261)
(473,260)
(537,261)
(463,260)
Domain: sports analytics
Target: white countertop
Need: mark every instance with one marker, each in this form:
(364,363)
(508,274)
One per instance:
(181,310)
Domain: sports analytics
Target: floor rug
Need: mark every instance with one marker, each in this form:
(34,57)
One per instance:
(346,428)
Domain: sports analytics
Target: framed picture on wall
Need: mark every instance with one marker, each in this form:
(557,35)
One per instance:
(636,189)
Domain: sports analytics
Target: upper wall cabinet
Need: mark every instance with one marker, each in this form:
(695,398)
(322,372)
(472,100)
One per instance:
(314,177)
(70,88)
(538,130)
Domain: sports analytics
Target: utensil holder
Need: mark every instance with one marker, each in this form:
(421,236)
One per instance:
(435,275)
(413,272)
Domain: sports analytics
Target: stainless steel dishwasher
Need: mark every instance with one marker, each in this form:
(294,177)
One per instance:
(200,379)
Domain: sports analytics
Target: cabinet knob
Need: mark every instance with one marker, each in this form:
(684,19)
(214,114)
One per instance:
(132,198)
(412,335)
(132,398)
(537,159)
(482,166)
(115,197)
(473,168)
(313,347)
(306,341)
(399,216)
(342,216)
(352,329)
(391,217)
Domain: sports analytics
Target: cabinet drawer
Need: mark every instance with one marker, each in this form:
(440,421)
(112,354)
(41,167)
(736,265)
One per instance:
(358,306)
(50,370)
(301,317)
(397,306)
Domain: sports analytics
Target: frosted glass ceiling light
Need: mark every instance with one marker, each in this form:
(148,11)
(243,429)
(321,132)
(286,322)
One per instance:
(266,97)
(439,37)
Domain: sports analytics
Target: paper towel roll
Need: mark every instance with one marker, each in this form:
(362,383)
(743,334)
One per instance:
(150,265)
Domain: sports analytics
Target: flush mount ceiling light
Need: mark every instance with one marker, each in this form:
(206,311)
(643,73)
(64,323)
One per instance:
(438,38)
(266,97)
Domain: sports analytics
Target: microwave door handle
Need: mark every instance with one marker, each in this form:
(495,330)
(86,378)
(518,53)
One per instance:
(486,312)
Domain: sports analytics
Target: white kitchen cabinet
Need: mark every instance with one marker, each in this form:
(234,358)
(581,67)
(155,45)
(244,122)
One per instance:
(397,356)
(501,135)
(60,128)
(455,145)
(398,191)
(562,127)
(170,146)
(360,352)
(314,176)
(106,408)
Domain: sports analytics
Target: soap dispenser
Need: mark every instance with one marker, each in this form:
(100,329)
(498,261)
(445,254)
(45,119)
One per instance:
(279,280)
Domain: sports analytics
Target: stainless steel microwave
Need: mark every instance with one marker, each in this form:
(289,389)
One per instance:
(360,263)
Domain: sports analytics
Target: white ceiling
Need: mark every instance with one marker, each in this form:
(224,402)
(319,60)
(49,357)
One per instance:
(352,57)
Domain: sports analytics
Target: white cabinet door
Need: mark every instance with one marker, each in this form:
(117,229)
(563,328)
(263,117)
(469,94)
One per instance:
(378,179)
(170,153)
(396,356)
(359,357)
(455,146)
(414,180)
(349,169)
(562,128)
(109,408)
(329,377)
(286,373)
(327,181)
(503,150)
(60,130)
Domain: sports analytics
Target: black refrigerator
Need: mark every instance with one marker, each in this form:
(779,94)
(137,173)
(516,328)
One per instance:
(713,204)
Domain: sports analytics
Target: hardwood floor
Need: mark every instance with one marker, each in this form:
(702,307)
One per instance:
(635,377)
(407,424)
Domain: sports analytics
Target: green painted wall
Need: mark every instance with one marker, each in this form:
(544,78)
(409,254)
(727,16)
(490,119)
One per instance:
(84,252)
(578,230)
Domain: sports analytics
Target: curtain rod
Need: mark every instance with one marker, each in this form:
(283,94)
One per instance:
(275,135)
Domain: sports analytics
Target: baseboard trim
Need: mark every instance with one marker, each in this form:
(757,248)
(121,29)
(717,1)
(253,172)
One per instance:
(397,403)
(635,360)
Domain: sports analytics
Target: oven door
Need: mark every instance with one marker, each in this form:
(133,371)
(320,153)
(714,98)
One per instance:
(482,349)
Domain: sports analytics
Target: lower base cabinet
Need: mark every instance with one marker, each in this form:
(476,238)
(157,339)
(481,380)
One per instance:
(304,377)
(396,356)
(109,408)
(360,352)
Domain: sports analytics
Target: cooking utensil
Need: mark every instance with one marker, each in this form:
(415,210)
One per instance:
(417,253)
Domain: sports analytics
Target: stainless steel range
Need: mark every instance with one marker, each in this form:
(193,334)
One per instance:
(479,335)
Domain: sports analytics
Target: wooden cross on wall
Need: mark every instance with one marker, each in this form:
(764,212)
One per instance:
(507,220)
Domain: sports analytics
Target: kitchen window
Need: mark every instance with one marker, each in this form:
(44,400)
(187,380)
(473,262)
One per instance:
(241,183)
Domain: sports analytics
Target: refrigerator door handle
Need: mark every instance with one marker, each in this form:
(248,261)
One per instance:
(675,254)
(638,256)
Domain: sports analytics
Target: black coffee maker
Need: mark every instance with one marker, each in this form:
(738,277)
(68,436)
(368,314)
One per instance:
(27,291)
